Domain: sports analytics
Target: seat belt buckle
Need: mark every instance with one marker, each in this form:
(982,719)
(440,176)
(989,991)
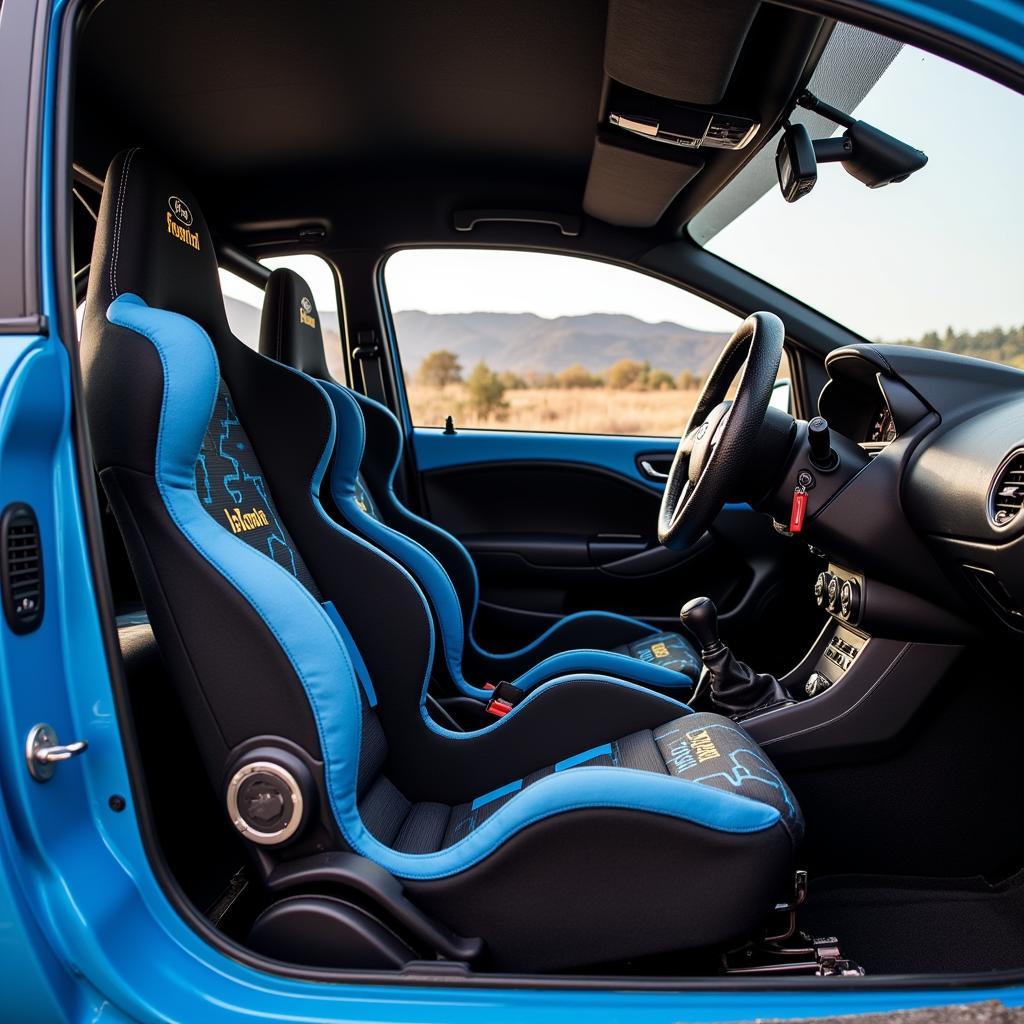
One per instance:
(505,696)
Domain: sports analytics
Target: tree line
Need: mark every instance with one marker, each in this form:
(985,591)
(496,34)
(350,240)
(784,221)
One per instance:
(999,344)
(442,368)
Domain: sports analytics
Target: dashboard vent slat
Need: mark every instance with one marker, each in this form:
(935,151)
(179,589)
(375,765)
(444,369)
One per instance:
(1006,498)
(21,568)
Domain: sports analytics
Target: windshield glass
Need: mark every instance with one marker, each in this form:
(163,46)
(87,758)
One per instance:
(934,260)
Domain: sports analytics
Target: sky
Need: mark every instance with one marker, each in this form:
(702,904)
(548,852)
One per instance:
(942,248)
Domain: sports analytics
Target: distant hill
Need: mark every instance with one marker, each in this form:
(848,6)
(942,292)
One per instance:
(524,341)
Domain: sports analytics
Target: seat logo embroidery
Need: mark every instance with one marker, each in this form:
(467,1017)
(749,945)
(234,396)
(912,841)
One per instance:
(305,309)
(242,522)
(690,750)
(180,209)
(659,650)
(179,220)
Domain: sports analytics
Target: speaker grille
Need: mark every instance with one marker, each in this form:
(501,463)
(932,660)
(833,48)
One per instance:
(22,568)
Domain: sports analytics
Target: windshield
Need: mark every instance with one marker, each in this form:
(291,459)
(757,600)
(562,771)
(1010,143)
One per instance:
(934,260)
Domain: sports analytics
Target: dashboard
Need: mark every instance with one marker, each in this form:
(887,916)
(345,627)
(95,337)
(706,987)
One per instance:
(928,501)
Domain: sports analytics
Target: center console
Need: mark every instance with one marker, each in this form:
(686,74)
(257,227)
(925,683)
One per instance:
(879,655)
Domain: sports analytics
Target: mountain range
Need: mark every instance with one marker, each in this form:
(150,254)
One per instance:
(523,342)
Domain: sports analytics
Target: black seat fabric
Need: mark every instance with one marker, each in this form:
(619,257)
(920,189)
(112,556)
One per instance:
(283,631)
(368,452)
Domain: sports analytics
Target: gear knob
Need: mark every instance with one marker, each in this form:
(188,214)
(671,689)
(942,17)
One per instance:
(700,617)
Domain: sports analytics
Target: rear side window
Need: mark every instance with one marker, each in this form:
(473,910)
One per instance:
(244,304)
(543,342)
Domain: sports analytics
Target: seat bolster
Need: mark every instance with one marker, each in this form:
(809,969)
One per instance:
(582,788)
(611,663)
(429,572)
(585,630)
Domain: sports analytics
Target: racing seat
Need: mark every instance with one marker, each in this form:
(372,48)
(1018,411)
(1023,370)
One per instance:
(361,484)
(597,820)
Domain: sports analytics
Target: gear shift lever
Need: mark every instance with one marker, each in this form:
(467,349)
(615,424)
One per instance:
(735,687)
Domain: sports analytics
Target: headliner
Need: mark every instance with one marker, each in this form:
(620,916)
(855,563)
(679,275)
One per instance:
(279,110)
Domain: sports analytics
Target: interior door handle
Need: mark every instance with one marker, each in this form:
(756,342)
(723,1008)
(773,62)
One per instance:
(653,473)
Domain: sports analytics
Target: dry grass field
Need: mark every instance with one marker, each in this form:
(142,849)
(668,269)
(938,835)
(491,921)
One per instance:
(575,410)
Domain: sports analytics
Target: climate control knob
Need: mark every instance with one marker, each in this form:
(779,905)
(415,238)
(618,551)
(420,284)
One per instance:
(849,600)
(832,593)
(821,588)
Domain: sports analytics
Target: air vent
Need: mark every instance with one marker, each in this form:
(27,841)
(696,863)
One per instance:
(1007,496)
(22,568)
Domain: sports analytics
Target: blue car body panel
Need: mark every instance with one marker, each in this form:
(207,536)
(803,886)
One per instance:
(86,931)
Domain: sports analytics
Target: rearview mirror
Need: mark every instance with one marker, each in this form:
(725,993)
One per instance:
(868,154)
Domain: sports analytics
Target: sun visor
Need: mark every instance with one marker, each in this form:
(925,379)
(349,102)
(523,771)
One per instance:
(681,50)
(633,189)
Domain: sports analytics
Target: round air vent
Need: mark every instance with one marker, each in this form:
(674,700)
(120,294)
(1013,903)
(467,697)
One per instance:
(1006,498)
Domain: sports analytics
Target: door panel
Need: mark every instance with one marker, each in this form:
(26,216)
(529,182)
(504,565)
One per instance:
(620,455)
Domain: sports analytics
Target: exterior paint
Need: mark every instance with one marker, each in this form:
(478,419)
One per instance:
(86,933)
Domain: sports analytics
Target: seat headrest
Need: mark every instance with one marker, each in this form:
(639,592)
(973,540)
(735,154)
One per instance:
(290,330)
(152,240)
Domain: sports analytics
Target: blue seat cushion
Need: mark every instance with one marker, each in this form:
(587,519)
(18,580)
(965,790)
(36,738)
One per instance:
(703,748)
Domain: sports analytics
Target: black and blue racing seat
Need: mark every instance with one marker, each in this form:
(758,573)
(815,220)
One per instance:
(361,484)
(597,820)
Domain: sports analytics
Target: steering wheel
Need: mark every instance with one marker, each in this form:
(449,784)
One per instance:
(720,436)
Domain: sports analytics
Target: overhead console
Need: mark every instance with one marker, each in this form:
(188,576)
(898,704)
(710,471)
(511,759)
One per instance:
(676,124)
(683,109)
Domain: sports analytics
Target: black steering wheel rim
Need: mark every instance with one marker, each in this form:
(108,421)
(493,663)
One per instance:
(720,437)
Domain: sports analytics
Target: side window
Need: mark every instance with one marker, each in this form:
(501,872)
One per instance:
(244,304)
(542,342)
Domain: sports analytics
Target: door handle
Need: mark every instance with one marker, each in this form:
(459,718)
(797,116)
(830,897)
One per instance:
(650,471)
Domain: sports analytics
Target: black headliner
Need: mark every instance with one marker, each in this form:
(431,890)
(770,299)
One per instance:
(228,86)
(385,116)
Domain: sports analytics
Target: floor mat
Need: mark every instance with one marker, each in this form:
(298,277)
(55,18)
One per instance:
(906,925)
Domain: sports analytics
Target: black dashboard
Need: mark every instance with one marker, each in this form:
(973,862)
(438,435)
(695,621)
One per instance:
(928,499)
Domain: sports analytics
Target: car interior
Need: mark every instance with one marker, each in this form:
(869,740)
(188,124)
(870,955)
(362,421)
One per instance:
(432,703)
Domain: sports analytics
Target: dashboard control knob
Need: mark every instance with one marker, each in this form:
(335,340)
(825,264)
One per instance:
(849,600)
(816,683)
(819,440)
(821,588)
(832,592)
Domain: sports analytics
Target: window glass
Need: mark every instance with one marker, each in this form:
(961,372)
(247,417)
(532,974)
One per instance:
(934,260)
(244,304)
(535,341)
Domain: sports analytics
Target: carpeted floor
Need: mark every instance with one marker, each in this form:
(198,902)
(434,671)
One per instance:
(901,925)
